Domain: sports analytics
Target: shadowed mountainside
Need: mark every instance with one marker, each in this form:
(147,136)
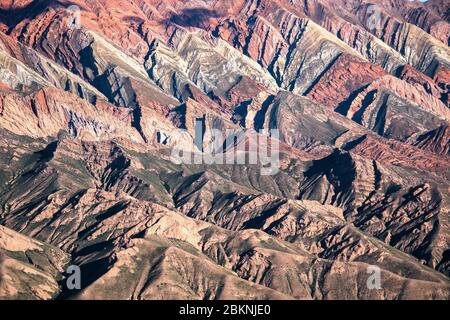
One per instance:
(95,96)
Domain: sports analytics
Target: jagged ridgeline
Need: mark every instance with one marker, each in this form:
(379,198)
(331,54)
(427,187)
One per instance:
(95,96)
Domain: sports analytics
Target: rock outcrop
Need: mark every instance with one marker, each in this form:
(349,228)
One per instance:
(95,97)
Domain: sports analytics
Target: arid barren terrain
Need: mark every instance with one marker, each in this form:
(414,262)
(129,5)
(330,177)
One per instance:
(351,96)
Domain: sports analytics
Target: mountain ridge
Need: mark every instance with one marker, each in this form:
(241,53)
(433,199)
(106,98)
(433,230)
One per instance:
(96,95)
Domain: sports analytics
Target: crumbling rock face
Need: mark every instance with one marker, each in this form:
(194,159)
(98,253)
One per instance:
(437,141)
(93,103)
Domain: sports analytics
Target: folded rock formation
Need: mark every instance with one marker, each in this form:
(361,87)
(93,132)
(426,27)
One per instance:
(95,96)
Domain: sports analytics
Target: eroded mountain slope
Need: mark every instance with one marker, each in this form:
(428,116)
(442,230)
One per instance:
(94,96)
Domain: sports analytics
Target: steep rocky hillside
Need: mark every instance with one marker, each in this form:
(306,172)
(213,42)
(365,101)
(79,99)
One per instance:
(96,97)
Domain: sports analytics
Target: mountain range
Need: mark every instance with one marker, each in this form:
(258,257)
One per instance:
(95,96)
